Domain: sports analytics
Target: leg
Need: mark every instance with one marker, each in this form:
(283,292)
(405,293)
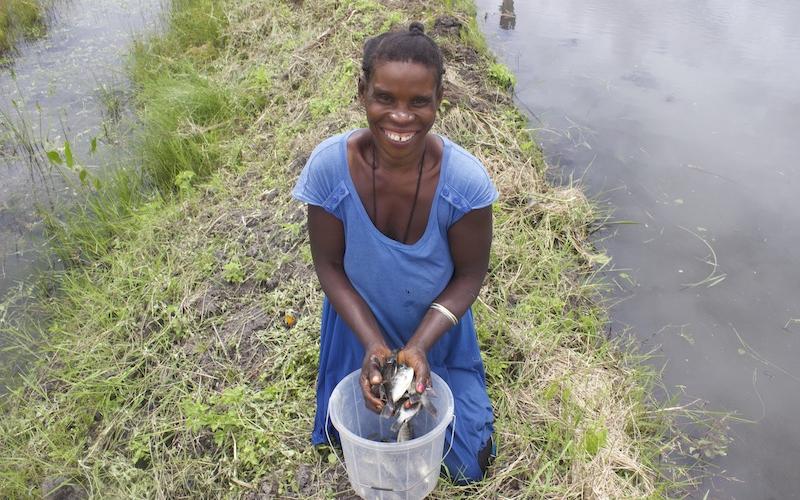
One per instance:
(472,444)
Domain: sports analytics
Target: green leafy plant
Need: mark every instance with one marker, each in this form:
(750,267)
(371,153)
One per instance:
(594,439)
(185,181)
(233,272)
(502,76)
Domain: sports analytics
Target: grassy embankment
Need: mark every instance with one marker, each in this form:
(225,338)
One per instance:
(19,18)
(167,368)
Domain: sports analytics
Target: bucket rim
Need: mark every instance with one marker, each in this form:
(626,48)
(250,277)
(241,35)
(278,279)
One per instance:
(429,436)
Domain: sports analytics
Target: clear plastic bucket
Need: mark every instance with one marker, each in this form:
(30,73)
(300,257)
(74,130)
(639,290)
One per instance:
(377,466)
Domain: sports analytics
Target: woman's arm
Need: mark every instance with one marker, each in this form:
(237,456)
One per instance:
(470,240)
(326,236)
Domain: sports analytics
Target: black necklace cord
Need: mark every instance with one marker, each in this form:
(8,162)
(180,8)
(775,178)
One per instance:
(416,191)
(416,195)
(374,197)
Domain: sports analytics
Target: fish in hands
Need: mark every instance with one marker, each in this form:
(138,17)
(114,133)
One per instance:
(400,397)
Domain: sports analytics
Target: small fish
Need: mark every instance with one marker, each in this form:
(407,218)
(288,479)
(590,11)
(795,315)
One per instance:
(388,407)
(404,415)
(387,369)
(400,397)
(425,399)
(405,433)
(396,379)
(401,382)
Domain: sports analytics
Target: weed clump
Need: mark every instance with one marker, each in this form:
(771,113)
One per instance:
(20,18)
(501,75)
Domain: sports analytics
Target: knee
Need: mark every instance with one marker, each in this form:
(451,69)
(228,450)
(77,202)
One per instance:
(467,466)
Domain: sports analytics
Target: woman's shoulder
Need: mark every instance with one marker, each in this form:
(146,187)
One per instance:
(323,172)
(467,184)
(463,166)
(330,148)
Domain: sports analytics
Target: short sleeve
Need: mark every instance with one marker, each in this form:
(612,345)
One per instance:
(468,185)
(320,182)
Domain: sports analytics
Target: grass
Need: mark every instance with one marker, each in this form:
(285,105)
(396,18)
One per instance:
(165,363)
(20,18)
(502,76)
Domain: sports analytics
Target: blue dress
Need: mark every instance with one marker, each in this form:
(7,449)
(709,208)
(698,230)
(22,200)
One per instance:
(399,282)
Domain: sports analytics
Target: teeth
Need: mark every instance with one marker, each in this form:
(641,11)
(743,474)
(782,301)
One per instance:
(398,137)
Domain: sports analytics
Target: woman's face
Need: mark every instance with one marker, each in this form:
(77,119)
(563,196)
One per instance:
(401,99)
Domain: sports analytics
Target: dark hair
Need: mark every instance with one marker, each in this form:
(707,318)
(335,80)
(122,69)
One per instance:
(411,45)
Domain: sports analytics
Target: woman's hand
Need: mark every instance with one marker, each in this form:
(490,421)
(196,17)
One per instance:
(374,357)
(416,358)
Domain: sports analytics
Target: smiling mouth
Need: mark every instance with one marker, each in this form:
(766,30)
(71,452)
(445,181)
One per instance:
(397,137)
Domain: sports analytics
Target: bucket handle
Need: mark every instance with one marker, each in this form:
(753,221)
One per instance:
(328,436)
(379,488)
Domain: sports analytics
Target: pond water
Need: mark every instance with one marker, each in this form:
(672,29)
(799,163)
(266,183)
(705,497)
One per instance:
(69,85)
(683,117)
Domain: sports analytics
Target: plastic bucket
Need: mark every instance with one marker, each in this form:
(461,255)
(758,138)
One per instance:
(377,466)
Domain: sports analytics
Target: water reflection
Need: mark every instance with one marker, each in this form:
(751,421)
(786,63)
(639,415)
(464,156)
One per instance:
(508,18)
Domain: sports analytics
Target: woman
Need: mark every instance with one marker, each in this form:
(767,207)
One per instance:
(400,226)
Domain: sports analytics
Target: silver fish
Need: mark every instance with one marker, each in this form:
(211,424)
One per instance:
(425,399)
(388,371)
(405,433)
(401,382)
(388,408)
(404,415)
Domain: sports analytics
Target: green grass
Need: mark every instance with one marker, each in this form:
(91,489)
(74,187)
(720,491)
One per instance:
(187,123)
(20,18)
(165,366)
(502,76)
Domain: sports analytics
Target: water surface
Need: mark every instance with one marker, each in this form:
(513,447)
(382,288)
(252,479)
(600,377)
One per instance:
(683,116)
(69,85)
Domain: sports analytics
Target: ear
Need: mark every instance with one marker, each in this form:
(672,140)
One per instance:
(439,92)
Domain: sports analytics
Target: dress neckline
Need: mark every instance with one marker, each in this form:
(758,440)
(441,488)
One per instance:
(429,226)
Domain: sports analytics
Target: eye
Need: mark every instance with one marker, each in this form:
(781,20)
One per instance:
(383,98)
(421,101)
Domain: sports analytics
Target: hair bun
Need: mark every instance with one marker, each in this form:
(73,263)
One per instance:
(417,28)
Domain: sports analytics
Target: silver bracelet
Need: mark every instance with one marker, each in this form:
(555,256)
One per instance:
(442,309)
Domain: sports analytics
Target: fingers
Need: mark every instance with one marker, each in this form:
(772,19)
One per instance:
(411,358)
(423,379)
(374,371)
(371,401)
(371,379)
(417,359)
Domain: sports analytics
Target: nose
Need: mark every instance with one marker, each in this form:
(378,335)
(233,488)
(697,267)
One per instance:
(401,116)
